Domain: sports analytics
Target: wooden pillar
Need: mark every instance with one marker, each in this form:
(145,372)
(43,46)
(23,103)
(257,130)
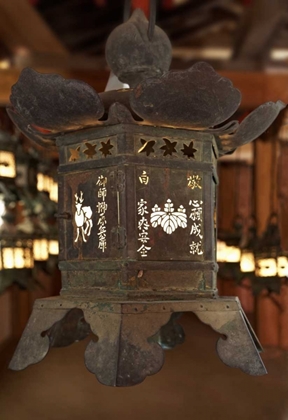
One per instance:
(235,198)
(268,313)
(283,321)
(282,179)
(247,299)
(226,214)
(283,190)
(21,302)
(246,210)
(47,288)
(6,331)
(20,310)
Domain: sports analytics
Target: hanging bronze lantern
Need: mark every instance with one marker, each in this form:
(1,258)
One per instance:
(137,193)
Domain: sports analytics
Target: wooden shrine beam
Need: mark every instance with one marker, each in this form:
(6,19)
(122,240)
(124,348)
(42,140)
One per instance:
(267,312)
(260,25)
(22,26)
(259,87)
(256,87)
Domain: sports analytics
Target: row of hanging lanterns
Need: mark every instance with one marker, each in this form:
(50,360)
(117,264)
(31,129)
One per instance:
(25,239)
(261,258)
(268,265)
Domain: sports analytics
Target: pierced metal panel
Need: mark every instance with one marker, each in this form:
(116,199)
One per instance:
(92,201)
(170,214)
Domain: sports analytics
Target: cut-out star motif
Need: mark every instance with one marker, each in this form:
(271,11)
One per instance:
(169,147)
(90,151)
(106,147)
(74,154)
(147,147)
(189,151)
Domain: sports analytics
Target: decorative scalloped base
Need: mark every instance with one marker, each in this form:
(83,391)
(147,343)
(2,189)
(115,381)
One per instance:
(131,336)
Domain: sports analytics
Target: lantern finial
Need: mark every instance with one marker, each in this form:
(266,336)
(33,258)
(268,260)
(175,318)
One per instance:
(132,55)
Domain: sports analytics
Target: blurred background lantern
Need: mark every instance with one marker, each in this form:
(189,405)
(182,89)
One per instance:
(27,216)
(7,155)
(46,181)
(41,249)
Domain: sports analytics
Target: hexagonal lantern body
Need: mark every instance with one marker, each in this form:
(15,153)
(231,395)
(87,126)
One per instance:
(141,212)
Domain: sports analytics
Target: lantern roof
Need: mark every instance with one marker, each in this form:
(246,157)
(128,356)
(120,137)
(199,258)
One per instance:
(45,106)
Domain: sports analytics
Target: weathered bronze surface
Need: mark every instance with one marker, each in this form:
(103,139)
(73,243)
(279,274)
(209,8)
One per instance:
(52,103)
(141,56)
(171,334)
(197,97)
(137,214)
(126,350)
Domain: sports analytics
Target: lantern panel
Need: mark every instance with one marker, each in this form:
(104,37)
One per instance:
(28,258)
(47,183)
(247,262)
(266,267)
(40,182)
(7,164)
(233,254)
(282,266)
(40,249)
(221,251)
(169,219)
(54,191)
(2,211)
(53,247)
(8,258)
(19,259)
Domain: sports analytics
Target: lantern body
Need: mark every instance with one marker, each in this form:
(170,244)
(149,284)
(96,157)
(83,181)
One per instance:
(282,266)
(7,164)
(266,267)
(53,247)
(16,261)
(141,221)
(247,262)
(41,249)
(7,157)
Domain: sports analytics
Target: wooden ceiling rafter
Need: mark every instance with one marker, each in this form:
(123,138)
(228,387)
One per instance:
(259,28)
(22,26)
(50,56)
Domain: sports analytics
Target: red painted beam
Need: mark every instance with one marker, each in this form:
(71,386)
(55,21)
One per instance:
(142,4)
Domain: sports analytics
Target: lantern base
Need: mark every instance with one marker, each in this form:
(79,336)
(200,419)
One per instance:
(131,336)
